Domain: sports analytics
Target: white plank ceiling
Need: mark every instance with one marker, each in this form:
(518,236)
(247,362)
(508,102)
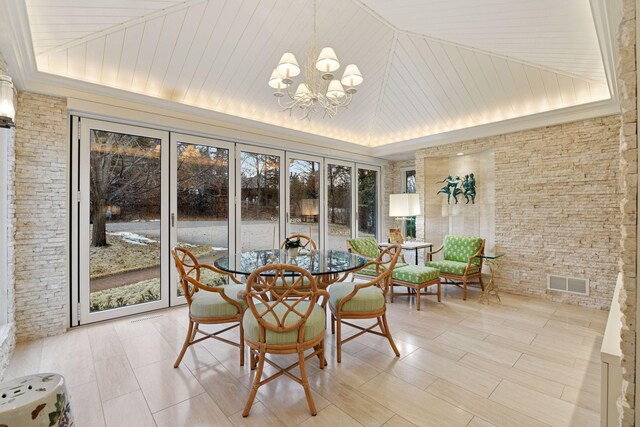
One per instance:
(429,66)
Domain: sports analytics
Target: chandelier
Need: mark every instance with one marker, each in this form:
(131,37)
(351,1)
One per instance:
(319,90)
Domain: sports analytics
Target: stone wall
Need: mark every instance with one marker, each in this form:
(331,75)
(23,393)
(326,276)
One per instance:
(628,164)
(8,335)
(556,205)
(41,222)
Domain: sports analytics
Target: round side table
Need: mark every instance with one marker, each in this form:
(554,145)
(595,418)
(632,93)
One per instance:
(35,401)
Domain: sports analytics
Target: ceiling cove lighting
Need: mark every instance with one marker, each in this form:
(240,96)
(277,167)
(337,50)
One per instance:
(320,90)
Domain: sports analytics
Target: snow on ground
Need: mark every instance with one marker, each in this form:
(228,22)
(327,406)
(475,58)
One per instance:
(133,238)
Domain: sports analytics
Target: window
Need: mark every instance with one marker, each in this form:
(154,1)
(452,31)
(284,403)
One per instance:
(409,186)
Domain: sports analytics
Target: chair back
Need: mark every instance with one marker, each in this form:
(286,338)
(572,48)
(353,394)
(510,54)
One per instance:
(194,275)
(186,264)
(365,246)
(461,248)
(385,263)
(306,242)
(284,300)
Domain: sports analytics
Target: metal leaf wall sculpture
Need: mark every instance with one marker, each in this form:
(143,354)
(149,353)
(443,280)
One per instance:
(456,186)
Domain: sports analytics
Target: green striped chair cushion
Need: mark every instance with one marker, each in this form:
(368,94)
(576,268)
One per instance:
(452,267)
(366,246)
(314,326)
(416,274)
(211,304)
(461,248)
(370,270)
(367,299)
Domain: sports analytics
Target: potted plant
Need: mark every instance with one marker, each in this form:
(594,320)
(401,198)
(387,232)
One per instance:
(292,246)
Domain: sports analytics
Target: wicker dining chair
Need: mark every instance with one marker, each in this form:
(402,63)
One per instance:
(364,299)
(306,242)
(286,322)
(209,305)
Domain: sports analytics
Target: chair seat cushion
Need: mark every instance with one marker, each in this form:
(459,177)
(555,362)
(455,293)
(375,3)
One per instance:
(452,267)
(211,304)
(370,270)
(314,326)
(370,298)
(416,274)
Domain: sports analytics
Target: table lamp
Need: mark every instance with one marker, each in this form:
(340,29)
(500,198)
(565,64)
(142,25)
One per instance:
(404,206)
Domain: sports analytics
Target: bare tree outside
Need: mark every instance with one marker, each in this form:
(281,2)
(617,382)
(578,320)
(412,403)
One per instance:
(339,205)
(125,179)
(367,202)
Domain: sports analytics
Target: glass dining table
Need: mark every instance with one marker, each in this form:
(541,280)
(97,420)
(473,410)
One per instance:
(326,266)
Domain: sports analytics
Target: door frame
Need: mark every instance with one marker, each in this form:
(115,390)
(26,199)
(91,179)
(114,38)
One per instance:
(238,190)
(175,138)
(83,312)
(321,196)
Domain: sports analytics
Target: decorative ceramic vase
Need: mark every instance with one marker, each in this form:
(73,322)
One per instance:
(39,400)
(293,252)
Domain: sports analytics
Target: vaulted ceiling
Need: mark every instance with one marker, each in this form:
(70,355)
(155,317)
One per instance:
(429,66)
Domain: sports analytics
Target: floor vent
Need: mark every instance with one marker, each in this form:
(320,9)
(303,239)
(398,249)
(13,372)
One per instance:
(568,284)
(142,319)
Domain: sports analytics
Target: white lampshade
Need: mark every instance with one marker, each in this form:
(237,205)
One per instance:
(288,66)
(335,89)
(352,76)
(275,81)
(302,91)
(403,205)
(309,207)
(7,102)
(327,61)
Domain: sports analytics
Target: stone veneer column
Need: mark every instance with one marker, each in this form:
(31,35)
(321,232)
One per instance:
(41,222)
(627,87)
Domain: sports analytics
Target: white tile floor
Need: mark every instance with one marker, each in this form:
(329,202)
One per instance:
(526,362)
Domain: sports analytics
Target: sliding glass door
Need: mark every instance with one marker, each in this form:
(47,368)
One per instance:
(202,212)
(368,207)
(123,234)
(260,193)
(138,192)
(339,211)
(304,197)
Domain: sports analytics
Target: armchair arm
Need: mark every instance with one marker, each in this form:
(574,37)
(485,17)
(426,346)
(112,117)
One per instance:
(375,282)
(218,271)
(476,255)
(220,290)
(365,265)
(429,255)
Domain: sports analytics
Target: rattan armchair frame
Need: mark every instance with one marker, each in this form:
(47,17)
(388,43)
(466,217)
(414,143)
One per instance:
(300,286)
(306,242)
(385,262)
(190,286)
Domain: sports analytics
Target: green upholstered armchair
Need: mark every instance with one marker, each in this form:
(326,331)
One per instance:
(368,248)
(413,277)
(460,263)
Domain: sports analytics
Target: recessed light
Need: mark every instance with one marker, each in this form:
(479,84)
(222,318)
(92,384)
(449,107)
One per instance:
(460,154)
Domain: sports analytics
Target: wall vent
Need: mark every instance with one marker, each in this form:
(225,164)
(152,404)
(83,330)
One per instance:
(572,285)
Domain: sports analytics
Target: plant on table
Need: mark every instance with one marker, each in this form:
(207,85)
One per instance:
(292,246)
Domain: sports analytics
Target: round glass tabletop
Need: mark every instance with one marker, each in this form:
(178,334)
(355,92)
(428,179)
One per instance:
(316,262)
